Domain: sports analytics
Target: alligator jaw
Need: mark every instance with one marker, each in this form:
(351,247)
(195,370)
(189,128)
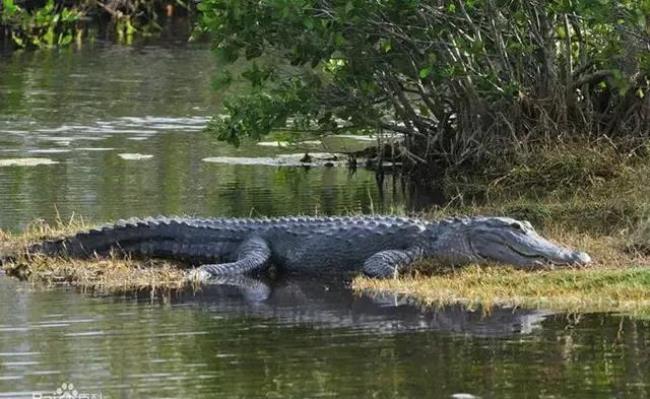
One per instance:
(576,258)
(505,240)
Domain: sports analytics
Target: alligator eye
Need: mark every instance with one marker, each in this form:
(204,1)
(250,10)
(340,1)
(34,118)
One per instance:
(517,226)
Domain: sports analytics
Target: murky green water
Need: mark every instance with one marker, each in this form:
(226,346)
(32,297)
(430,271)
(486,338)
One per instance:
(86,109)
(308,339)
(88,112)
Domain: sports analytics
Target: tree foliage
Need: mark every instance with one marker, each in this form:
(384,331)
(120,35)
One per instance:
(56,23)
(48,26)
(459,79)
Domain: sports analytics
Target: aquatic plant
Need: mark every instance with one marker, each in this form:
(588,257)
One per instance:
(31,24)
(48,26)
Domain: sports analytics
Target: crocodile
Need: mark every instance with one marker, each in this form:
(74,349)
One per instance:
(378,246)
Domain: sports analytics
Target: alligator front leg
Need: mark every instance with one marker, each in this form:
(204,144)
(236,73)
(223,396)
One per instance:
(389,263)
(252,254)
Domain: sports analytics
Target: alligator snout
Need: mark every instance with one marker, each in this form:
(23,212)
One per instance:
(580,258)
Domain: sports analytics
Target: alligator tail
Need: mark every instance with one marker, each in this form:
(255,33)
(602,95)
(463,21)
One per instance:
(57,247)
(100,241)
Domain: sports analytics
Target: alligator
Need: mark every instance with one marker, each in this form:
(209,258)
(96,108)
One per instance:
(378,246)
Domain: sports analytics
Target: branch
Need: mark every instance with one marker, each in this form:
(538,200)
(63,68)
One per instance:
(593,78)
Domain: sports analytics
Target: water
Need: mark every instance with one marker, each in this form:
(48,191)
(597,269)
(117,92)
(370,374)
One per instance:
(89,113)
(308,339)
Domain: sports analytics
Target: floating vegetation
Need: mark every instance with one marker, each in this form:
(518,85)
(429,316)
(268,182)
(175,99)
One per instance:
(135,156)
(293,160)
(312,156)
(95,149)
(310,142)
(273,143)
(355,137)
(26,162)
(282,144)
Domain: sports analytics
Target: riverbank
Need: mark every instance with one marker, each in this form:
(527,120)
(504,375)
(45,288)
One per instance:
(587,195)
(617,281)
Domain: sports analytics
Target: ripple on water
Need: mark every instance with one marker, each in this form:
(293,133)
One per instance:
(49,151)
(135,156)
(26,162)
(287,144)
(95,149)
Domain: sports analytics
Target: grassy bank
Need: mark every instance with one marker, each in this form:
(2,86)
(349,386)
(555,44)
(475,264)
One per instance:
(603,289)
(113,274)
(590,195)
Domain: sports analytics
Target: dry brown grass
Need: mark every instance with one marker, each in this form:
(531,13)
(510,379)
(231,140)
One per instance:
(112,274)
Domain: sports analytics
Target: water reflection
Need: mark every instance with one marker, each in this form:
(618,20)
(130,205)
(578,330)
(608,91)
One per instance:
(307,339)
(295,300)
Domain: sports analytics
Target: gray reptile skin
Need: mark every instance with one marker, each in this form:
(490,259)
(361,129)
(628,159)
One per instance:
(379,246)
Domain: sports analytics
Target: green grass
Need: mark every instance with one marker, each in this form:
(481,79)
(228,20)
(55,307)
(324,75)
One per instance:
(622,290)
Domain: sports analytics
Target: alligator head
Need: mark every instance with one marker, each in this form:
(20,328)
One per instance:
(506,240)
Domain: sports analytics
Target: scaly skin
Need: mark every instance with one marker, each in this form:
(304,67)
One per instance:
(380,246)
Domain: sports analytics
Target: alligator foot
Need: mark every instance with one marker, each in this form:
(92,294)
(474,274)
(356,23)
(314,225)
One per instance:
(386,264)
(199,275)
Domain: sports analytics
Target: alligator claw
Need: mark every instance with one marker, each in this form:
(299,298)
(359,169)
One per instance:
(199,276)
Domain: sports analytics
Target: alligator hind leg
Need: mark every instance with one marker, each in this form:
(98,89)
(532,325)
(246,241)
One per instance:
(389,263)
(252,254)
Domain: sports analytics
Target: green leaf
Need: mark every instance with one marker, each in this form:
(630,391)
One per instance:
(349,6)
(48,37)
(385,44)
(424,72)
(10,6)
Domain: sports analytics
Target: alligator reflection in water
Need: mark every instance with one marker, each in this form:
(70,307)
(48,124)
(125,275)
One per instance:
(297,300)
